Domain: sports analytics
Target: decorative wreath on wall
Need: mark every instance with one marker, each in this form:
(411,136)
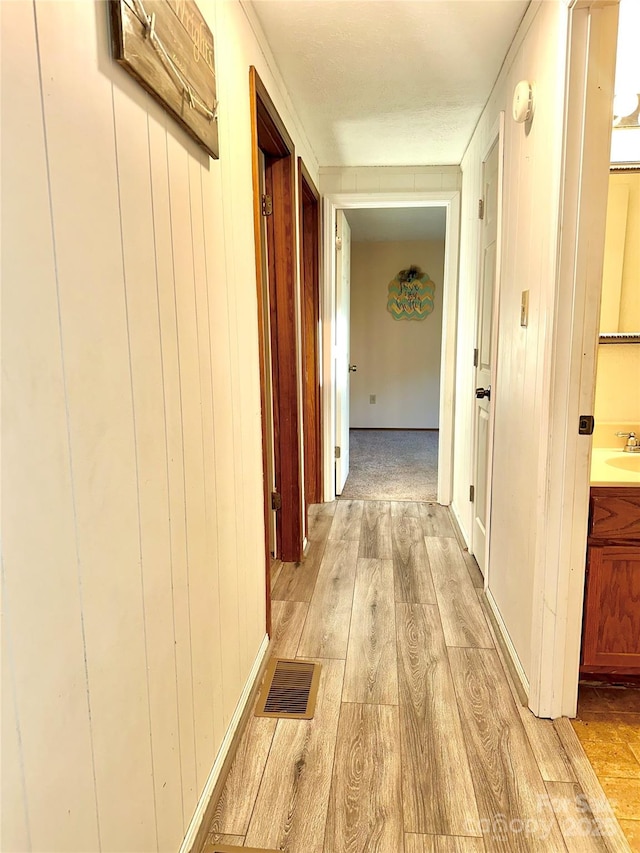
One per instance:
(411,295)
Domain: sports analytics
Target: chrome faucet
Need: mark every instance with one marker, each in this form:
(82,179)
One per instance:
(633,443)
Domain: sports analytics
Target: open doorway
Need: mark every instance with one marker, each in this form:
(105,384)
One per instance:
(339,362)
(396,274)
(274,220)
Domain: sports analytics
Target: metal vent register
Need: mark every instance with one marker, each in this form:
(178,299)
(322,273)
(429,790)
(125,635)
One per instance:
(290,690)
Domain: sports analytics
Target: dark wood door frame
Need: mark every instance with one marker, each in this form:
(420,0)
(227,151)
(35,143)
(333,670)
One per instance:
(269,135)
(309,210)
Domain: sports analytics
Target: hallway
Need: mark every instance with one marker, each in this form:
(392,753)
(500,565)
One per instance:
(420,741)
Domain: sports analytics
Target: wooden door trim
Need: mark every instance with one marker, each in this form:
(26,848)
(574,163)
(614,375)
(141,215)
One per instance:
(309,199)
(274,136)
(257,227)
(269,134)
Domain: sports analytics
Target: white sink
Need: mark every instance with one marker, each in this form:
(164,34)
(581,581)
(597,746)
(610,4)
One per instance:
(626,461)
(611,466)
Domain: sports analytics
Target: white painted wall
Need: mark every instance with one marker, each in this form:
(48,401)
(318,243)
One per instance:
(398,360)
(529,253)
(389,179)
(133,564)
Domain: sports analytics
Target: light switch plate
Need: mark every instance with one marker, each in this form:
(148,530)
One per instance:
(524,309)
(372,398)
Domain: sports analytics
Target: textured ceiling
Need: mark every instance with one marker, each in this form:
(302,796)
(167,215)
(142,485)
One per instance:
(379,225)
(389,82)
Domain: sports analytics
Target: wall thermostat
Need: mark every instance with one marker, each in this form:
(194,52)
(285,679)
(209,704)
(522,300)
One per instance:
(523,101)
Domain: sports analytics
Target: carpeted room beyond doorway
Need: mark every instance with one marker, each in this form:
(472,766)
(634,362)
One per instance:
(392,464)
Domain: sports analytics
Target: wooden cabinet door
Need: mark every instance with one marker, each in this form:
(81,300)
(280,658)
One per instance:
(612,607)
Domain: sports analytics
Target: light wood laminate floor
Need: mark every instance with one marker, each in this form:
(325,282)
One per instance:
(419,742)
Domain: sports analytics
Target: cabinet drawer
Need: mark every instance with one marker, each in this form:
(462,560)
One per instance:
(615,513)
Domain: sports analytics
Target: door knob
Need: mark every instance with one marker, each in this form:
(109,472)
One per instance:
(353,368)
(483,392)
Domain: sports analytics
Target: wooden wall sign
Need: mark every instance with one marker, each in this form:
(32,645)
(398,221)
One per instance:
(168,47)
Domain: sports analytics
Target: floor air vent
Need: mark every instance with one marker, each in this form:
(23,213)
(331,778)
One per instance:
(290,690)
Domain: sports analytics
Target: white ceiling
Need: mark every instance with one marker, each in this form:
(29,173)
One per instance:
(389,82)
(382,225)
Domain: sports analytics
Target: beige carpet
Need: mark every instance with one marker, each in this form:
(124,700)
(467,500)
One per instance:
(392,465)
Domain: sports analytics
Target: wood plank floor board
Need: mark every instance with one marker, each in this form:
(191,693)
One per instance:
(600,806)
(347,520)
(215,839)
(442,844)
(234,808)
(412,574)
(296,581)
(291,807)
(459,760)
(274,574)
(288,618)
(552,760)
(577,824)
(405,509)
(319,520)
(436,520)
(326,630)
(371,674)
(514,683)
(473,568)
(431,732)
(462,617)
(515,810)
(375,536)
(365,804)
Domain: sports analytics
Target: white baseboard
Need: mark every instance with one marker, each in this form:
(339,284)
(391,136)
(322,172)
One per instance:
(199,814)
(456,515)
(511,649)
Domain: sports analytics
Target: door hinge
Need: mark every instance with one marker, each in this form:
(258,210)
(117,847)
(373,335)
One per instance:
(475,357)
(337,452)
(276,500)
(267,205)
(481,208)
(472,493)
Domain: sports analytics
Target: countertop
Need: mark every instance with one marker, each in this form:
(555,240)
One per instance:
(606,472)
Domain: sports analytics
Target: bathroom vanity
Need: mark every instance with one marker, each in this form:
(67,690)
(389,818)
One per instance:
(611,626)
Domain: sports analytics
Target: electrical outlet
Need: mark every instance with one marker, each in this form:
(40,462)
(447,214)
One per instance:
(372,398)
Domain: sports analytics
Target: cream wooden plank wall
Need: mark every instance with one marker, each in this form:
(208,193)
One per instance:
(530,223)
(390,179)
(132,565)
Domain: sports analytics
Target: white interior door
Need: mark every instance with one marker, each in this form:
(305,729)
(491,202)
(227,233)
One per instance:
(341,347)
(484,358)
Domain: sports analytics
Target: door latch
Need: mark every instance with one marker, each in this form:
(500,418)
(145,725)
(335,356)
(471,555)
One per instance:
(586,424)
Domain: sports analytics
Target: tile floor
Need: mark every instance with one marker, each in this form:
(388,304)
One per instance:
(608,726)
